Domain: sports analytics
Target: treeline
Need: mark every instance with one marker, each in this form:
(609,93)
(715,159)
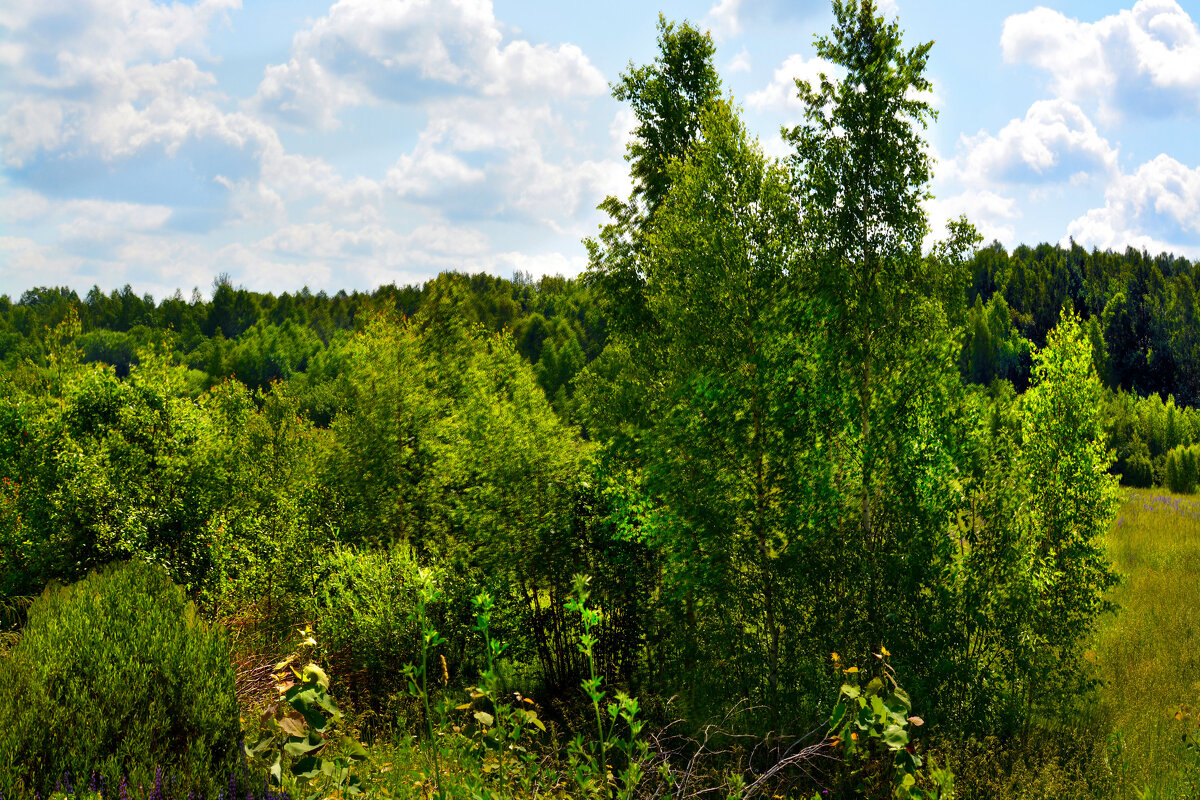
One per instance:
(1141,313)
(259,338)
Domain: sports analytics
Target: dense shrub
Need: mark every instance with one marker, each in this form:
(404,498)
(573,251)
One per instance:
(361,616)
(116,675)
(1182,469)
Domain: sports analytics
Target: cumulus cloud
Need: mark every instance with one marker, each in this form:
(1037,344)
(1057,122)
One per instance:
(1054,141)
(740,62)
(411,50)
(99,221)
(122,96)
(254,202)
(723,18)
(1156,208)
(482,157)
(991,213)
(106,80)
(1140,61)
(780,95)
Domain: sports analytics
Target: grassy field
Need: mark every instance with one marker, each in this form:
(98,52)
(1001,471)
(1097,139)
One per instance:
(1124,743)
(1149,653)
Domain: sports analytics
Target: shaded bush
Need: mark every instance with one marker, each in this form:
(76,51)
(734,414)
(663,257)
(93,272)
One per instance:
(116,675)
(1181,472)
(362,618)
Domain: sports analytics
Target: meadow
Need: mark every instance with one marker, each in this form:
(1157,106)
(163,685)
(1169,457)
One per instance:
(1129,739)
(1148,654)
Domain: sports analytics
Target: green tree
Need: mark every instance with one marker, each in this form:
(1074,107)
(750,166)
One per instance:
(721,453)
(667,98)
(1072,502)
(861,171)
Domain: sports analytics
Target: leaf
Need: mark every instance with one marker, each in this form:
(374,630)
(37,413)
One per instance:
(484,718)
(293,724)
(353,749)
(299,746)
(308,767)
(839,714)
(916,721)
(895,737)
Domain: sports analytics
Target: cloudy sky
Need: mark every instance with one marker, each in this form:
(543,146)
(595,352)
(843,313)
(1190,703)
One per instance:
(295,143)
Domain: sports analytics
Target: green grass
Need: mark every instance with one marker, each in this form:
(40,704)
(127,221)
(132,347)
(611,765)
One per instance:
(1148,654)
(1123,742)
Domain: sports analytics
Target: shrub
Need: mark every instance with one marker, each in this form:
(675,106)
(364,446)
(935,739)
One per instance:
(362,617)
(116,675)
(1139,472)
(1182,469)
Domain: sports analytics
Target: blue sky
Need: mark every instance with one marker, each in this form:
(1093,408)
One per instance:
(362,142)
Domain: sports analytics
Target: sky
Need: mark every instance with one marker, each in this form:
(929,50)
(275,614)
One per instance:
(345,145)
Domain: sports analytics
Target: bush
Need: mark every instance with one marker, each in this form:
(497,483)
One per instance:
(362,617)
(1139,472)
(116,675)
(1182,469)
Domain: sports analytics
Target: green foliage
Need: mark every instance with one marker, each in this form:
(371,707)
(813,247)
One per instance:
(589,762)
(449,446)
(1181,470)
(362,612)
(777,457)
(872,726)
(668,98)
(117,674)
(1072,501)
(294,741)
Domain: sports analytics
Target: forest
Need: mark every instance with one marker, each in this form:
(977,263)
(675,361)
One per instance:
(776,499)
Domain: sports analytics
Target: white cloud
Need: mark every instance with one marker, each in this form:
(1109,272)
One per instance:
(96,221)
(196,182)
(253,202)
(304,93)
(780,95)
(124,31)
(379,244)
(723,18)
(427,172)
(1156,208)
(1143,61)
(740,62)
(1054,142)
(22,205)
(538,264)
(26,263)
(989,212)
(410,50)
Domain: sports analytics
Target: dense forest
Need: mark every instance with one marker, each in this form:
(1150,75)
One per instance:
(829,501)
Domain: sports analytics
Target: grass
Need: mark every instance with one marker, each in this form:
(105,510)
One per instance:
(1148,654)
(1123,742)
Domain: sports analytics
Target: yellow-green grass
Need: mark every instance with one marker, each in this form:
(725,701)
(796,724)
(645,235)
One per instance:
(1148,653)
